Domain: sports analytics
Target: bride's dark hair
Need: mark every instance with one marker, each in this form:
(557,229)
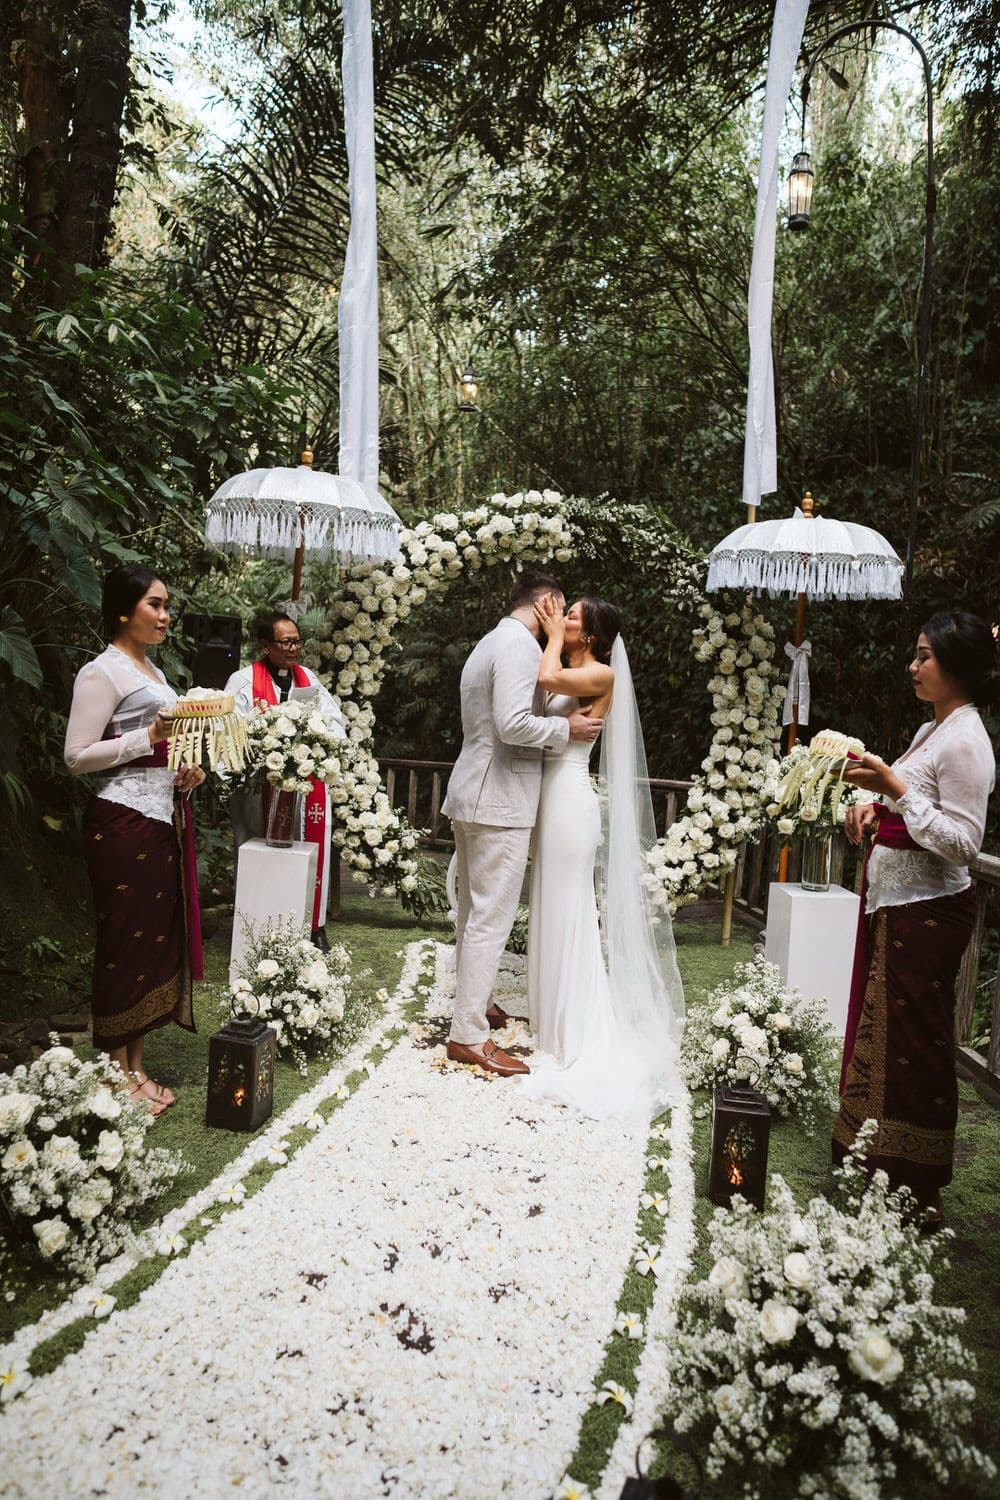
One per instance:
(603,624)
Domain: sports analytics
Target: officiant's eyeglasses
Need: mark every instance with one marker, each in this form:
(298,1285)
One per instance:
(295,644)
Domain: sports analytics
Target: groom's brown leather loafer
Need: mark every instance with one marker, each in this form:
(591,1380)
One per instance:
(491,1058)
(497,1017)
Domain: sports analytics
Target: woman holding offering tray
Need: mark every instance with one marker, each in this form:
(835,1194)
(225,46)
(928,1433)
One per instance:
(918,913)
(138,833)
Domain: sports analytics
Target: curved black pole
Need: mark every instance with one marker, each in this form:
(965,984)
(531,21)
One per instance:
(924,326)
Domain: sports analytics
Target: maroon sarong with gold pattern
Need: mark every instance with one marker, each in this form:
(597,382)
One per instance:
(901,1070)
(142,966)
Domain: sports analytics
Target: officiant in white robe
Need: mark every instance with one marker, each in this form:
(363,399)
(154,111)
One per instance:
(278,668)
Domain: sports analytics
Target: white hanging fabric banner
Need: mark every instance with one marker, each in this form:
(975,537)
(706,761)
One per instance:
(797,694)
(357,313)
(760,457)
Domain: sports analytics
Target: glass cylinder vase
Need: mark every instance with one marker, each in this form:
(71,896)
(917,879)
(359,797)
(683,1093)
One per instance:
(284,819)
(816,862)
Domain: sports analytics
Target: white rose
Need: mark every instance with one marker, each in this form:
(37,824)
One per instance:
(727,1402)
(875,1358)
(780,1021)
(809,813)
(15,1111)
(720,1050)
(61,1153)
(798,1272)
(778,1321)
(84,1206)
(729,1277)
(786,825)
(793,1063)
(52,1235)
(104,1105)
(110,1150)
(19,1155)
(268,968)
(57,1054)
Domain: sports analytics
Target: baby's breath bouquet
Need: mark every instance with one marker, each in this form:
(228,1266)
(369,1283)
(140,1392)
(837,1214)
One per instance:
(755,1027)
(813,1360)
(290,744)
(295,988)
(74,1163)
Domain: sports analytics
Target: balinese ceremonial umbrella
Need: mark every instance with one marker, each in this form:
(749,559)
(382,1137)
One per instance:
(812,557)
(285,512)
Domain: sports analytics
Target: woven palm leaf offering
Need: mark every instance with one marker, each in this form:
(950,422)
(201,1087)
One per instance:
(206,726)
(820,771)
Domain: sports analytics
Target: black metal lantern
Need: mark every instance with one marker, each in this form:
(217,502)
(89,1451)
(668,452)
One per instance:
(741,1127)
(468,390)
(800,191)
(241,1074)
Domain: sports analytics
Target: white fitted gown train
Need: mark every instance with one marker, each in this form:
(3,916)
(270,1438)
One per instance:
(586,1057)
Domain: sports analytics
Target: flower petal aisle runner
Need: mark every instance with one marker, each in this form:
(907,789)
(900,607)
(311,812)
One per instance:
(417,1304)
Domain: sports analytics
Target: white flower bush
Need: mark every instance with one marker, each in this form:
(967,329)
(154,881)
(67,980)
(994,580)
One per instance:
(74,1163)
(753,1026)
(295,988)
(291,745)
(813,1360)
(724,806)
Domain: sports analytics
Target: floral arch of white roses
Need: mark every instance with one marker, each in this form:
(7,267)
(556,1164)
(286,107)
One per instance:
(537,528)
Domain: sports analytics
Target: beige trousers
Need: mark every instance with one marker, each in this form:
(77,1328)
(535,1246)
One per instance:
(490,868)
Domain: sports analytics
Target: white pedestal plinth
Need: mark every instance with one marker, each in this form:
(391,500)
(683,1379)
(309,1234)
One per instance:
(810,936)
(271,883)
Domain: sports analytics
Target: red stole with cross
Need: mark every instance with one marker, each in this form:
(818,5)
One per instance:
(316,830)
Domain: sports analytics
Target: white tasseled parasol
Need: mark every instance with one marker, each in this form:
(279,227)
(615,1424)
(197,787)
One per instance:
(806,554)
(274,512)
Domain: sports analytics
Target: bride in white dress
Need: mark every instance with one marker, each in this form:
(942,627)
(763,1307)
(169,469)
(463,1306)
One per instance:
(605,998)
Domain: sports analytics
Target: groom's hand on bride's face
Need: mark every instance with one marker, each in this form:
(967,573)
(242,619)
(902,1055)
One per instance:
(583,727)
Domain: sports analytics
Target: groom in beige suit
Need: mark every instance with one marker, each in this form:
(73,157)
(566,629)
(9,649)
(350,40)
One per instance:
(492,801)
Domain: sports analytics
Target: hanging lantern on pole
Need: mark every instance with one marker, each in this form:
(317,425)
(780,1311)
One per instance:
(800,191)
(468,389)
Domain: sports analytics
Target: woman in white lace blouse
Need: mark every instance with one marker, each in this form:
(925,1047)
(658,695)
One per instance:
(137,831)
(918,914)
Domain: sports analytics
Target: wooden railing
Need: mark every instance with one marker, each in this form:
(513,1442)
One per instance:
(419,786)
(984,1070)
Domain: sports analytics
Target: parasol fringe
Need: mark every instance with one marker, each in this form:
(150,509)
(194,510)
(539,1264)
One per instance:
(824,578)
(269,529)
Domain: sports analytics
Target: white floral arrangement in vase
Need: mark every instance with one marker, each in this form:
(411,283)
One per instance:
(299,991)
(813,1360)
(290,745)
(74,1163)
(754,1027)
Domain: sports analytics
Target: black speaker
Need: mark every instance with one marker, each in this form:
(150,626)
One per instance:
(217,640)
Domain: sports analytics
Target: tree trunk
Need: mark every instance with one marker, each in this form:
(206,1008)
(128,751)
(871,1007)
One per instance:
(102,82)
(43,82)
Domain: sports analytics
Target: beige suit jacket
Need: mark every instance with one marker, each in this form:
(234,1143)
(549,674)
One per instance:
(498,775)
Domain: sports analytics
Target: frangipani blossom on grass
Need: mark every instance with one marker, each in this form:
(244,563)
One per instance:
(631,1325)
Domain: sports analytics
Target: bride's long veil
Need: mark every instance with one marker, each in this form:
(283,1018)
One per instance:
(646,989)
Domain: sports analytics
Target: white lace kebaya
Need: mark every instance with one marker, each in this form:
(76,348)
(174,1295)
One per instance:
(949,772)
(114,697)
